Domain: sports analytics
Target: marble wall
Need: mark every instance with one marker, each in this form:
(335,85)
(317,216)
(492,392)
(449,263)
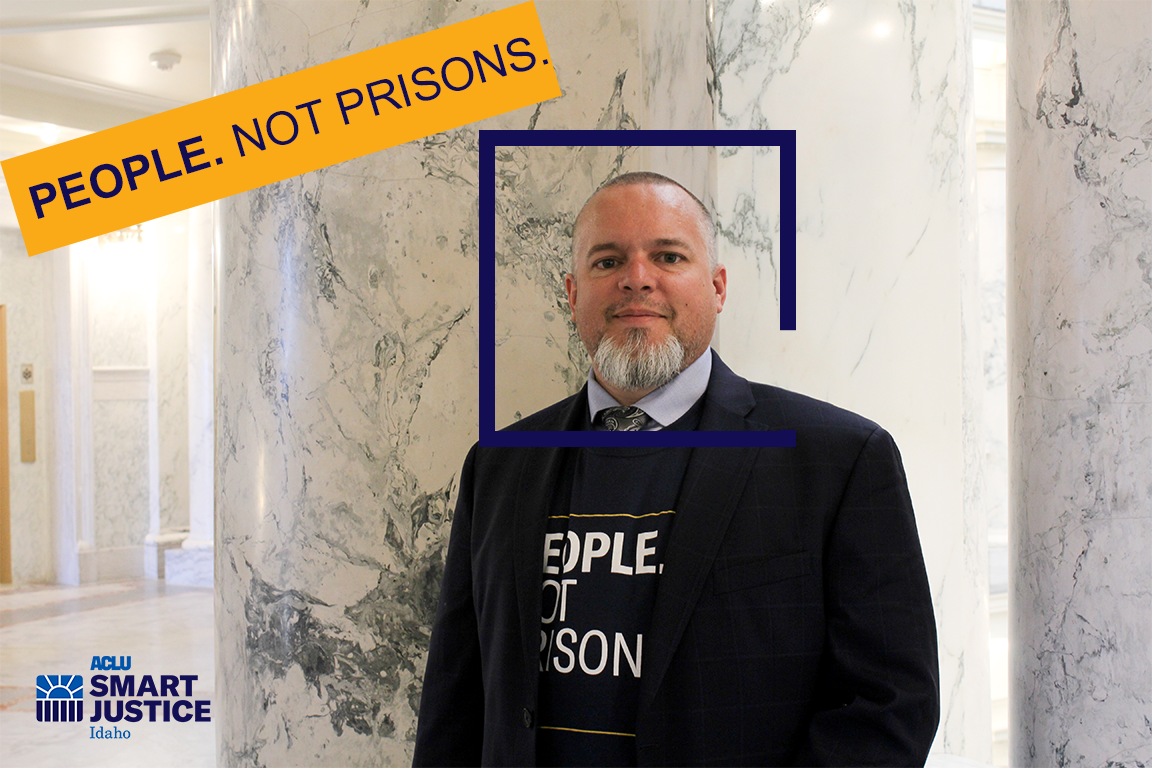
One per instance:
(120,461)
(539,191)
(879,94)
(24,290)
(1080,352)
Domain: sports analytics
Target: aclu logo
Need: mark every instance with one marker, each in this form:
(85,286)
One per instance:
(59,698)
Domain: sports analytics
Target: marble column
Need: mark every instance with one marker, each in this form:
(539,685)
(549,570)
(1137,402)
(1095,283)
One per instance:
(1080,352)
(346,380)
(879,94)
(192,563)
(168,395)
(345,403)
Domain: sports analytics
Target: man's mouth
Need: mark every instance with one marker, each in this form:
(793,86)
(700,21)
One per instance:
(635,312)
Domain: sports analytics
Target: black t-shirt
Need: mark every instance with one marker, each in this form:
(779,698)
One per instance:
(602,562)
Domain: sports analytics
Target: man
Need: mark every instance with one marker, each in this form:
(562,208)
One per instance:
(679,606)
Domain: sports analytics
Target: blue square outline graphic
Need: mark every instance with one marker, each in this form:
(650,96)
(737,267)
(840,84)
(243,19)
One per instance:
(489,141)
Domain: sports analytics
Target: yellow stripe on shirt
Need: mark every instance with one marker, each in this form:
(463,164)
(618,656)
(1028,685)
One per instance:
(617,514)
(581,730)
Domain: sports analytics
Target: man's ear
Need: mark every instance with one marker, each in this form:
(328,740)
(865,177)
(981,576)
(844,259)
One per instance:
(720,283)
(570,287)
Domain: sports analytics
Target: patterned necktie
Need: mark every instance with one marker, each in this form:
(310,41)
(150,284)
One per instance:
(622,418)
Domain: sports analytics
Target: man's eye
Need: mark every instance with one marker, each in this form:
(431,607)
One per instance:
(604,264)
(671,258)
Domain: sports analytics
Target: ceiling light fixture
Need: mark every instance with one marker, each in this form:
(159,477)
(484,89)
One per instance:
(164,60)
(133,234)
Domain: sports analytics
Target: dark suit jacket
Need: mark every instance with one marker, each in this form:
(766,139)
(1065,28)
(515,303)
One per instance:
(793,622)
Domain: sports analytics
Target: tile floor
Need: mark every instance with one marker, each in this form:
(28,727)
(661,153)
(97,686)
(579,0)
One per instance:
(165,629)
(57,630)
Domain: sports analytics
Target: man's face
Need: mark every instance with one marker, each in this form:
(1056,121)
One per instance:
(642,271)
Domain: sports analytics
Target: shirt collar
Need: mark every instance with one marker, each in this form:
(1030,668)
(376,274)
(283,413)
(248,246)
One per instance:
(665,404)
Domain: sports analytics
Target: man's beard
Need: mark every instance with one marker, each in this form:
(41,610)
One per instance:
(635,363)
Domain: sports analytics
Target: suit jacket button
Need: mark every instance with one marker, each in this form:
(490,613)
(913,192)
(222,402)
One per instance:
(527,718)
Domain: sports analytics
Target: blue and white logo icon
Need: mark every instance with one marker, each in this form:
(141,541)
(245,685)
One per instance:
(59,698)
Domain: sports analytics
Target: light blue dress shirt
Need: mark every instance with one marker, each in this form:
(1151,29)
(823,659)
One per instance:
(664,404)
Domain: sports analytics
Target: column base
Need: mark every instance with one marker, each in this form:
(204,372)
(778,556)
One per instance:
(111,564)
(154,548)
(191,564)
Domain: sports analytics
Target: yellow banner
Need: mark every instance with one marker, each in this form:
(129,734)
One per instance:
(281,128)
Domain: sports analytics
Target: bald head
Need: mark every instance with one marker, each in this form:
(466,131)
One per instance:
(644,289)
(683,199)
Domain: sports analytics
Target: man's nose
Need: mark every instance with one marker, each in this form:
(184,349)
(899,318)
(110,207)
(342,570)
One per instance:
(637,275)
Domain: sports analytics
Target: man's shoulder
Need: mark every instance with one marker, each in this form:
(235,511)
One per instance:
(551,418)
(775,405)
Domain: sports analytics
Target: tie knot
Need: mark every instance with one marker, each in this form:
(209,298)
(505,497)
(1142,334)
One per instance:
(622,418)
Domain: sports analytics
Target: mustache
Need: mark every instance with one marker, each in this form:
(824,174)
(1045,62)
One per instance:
(633,304)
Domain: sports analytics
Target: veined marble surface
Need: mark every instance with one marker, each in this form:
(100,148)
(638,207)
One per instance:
(1080,331)
(346,386)
(120,472)
(539,191)
(879,94)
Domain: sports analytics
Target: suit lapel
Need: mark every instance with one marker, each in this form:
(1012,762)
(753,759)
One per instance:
(575,416)
(712,486)
(727,401)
